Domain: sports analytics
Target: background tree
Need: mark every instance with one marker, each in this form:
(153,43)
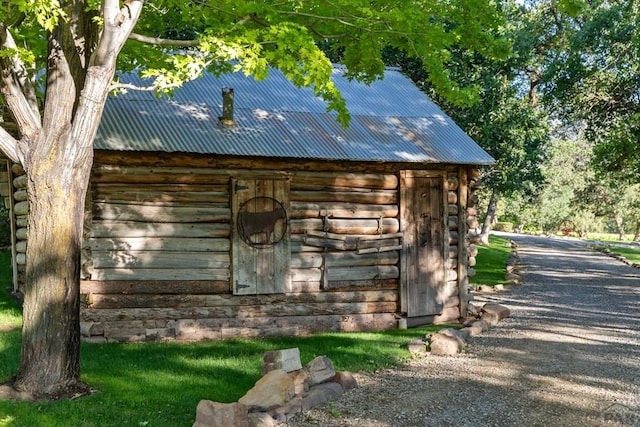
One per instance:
(70,49)
(506,121)
(594,83)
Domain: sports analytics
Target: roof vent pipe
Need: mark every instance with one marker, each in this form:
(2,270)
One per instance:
(227,106)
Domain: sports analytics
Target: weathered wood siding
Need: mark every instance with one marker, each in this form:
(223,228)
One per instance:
(160,241)
(157,260)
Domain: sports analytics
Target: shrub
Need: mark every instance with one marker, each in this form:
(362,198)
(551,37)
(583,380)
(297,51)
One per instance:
(503,226)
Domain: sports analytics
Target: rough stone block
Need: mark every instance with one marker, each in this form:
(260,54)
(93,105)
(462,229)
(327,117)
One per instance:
(275,389)
(261,419)
(417,346)
(293,407)
(214,414)
(321,394)
(476,327)
(445,345)
(287,360)
(320,370)
(300,381)
(493,313)
(347,381)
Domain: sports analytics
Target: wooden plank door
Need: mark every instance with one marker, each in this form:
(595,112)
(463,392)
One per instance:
(423,217)
(260,241)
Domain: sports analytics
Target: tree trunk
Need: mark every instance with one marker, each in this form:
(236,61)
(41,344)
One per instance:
(636,238)
(489,219)
(50,360)
(619,224)
(58,160)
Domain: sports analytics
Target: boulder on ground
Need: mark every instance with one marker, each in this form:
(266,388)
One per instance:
(214,414)
(444,344)
(493,313)
(320,370)
(417,346)
(275,389)
(287,360)
(346,379)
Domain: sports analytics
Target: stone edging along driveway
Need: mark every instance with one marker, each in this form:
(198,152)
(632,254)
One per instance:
(569,355)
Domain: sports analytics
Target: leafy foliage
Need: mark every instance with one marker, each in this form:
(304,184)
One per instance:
(596,83)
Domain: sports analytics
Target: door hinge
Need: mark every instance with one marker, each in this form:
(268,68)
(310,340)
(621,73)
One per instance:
(241,286)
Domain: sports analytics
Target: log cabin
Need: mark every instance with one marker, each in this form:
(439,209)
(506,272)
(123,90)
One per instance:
(240,208)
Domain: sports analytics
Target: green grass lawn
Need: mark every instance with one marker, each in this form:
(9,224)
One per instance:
(491,261)
(160,384)
(630,254)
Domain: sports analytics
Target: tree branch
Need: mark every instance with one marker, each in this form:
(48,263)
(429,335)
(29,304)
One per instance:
(17,88)
(163,42)
(9,146)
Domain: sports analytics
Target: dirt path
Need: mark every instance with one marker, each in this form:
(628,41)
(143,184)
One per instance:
(568,356)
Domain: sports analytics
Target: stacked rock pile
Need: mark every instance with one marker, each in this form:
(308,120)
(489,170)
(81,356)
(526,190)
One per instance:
(285,389)
(450,341)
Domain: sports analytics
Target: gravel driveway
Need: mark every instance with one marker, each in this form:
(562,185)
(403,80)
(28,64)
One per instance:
(569,355)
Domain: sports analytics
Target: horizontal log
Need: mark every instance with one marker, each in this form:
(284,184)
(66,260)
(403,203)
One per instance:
(20,195)
(321,243)
(153,195)
(346,226)
(125,245)
(20,182)
(346,285)
(158,175)
(160,259)
(452,198)
(452,183)
(237,312)
(342,210)
(161,213)
(379,249)
(342,259)
(449,314)
(347,273)
(102,228)
(453,222)
(452,301)
(106,301)
(199,329)
(160,274)
(17,169)
(21,234)
(21,208)
(453,237)
(386,197)
(472,261)
(155,287)
(452,209)
(451,275)
(472,250)
(21,259)
(21,222)
(356,180)
(21,246)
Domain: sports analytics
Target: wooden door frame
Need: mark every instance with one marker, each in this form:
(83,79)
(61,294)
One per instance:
(405,218)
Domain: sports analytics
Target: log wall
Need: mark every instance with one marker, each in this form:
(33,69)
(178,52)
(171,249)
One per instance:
(156,259)
(158,264)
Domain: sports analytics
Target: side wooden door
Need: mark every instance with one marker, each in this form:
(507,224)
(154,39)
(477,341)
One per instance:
(260,236)
(423,222)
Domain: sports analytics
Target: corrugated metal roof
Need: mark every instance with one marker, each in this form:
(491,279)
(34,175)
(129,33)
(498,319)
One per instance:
(392,120)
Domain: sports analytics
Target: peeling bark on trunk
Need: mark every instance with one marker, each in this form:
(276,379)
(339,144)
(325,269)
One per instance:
(50,359)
